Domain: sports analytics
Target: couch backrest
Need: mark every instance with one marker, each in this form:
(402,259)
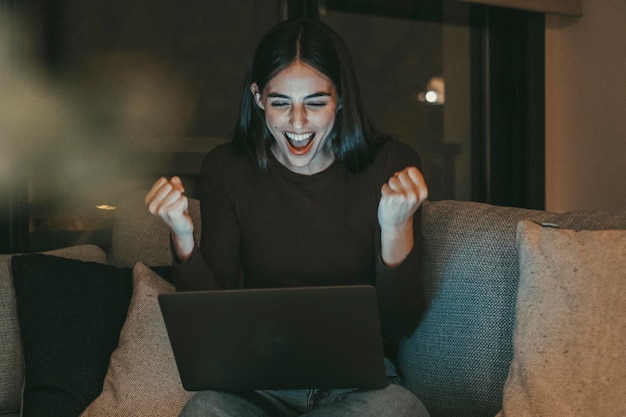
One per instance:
(138,236)
(458,358)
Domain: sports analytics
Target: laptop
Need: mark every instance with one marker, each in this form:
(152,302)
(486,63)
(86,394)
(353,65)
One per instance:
(283,338)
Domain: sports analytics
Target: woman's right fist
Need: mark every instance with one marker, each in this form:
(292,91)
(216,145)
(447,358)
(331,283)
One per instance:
(166,200)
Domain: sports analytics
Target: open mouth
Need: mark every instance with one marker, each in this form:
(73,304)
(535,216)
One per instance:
(299,143)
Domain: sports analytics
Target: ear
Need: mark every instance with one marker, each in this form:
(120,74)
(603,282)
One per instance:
(256,93)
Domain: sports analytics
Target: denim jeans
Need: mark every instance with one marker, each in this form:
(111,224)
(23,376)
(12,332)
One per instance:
(394,400)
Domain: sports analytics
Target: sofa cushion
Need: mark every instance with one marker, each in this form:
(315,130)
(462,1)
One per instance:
(11,363)
(142,379)
(571,320)
(457,359)
(70,315)
(138,236)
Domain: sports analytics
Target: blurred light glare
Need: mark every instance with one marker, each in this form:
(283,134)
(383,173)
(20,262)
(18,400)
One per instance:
(431,96)
(435,92)
(106,207)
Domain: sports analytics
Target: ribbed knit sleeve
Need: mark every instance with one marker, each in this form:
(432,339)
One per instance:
(400,289)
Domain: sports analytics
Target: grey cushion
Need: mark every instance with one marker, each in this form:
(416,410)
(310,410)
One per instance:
(458,358)
(11,364)
(138,236)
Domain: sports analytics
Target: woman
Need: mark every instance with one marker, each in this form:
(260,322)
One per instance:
(307,193)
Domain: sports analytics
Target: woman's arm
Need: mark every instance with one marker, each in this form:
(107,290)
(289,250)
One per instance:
(215,263)
(400,198)
(399,284)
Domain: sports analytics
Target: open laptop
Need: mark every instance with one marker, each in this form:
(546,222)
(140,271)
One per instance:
(286,338)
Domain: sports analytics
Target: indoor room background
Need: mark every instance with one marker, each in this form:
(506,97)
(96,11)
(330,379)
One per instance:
(506,106)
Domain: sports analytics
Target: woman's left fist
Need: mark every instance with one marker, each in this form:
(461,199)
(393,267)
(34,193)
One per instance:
(400,197)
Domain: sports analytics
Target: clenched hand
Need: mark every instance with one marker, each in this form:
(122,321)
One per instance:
(166,200)
(400,198)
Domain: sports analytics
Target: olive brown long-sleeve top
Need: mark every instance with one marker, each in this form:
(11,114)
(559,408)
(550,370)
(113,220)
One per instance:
(283,229)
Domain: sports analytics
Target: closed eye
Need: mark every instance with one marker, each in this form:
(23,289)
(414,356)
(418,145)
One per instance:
(279,104)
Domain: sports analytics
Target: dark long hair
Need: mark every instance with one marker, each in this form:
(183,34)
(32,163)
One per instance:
(353,139)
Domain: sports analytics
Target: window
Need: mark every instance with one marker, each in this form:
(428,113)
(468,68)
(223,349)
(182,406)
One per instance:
(149,87)
(462,83)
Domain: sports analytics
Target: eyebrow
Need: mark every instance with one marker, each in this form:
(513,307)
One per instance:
(314,95)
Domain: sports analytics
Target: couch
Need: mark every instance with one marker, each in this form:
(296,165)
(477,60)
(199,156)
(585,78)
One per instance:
(525,317)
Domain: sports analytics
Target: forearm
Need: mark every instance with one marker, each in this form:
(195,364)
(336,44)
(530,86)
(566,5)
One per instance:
(194,274)
(401,296)
(396,243)
(400,287)
(191,275)
(182,246)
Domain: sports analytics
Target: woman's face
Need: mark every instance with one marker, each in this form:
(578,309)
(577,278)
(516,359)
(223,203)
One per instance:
(300,105)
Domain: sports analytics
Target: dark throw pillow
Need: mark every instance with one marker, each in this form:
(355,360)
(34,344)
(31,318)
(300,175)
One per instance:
(70,315)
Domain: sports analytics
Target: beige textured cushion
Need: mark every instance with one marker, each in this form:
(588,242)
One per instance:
(138,236)
(569,339)
(11,363)
(142,379)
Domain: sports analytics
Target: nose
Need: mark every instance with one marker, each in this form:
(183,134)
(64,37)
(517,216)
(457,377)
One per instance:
(298,117)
